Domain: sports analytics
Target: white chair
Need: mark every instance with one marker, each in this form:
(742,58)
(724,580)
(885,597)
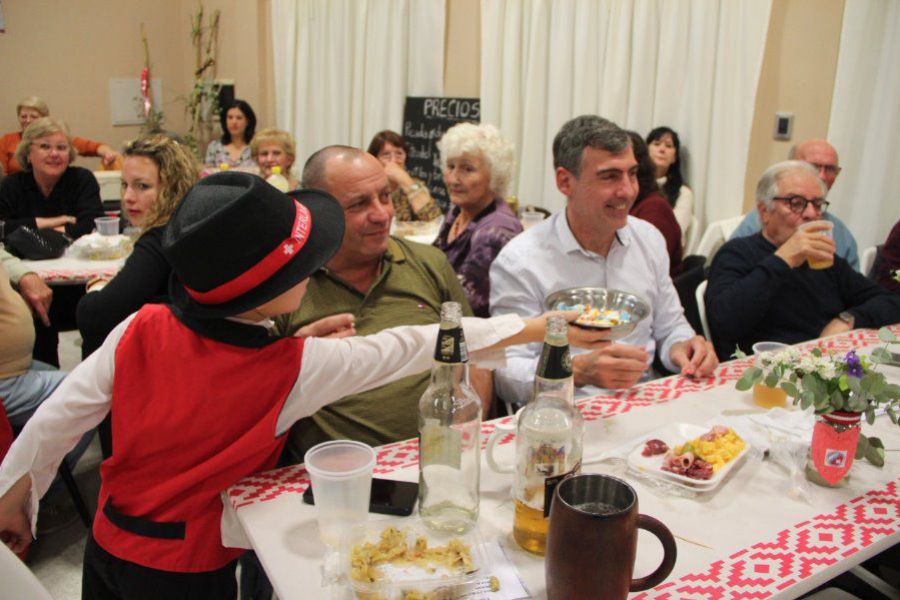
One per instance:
(701,308)
(693,235)
(867,260)
(18,580)
(717,234)
(110,183)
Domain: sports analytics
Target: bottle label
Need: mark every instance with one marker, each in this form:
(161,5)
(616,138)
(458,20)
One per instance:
(550,486)
(451,346)
(555,362)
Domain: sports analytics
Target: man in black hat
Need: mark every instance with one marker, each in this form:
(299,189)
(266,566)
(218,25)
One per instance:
(201,394)
(378,281)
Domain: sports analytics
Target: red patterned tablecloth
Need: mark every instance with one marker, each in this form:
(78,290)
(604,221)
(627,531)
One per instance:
(758,571)
(70,270)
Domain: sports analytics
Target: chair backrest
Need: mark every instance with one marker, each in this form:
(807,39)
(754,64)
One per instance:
(686,285)
(701,308)
(715,235)
(18,580)
(693,236)
(867,260)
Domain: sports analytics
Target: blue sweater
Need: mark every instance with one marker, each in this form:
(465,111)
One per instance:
(754,295)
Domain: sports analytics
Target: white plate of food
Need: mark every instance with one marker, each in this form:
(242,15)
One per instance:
(693,456)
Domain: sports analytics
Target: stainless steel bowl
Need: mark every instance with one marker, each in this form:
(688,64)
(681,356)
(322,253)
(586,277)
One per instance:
(604,299)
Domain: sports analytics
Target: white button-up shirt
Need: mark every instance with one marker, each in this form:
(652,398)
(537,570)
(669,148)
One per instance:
(547,258)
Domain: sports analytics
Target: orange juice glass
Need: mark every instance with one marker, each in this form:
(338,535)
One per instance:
(829,233)
(763,395)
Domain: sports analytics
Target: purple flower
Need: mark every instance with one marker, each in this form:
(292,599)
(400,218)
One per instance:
(854,368)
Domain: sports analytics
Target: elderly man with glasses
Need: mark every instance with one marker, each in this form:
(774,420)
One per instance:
(762,287)
(824,159)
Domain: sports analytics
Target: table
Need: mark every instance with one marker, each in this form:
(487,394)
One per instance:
(70,269)
(748,539)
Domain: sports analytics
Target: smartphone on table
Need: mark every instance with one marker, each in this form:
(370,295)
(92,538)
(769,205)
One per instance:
(388,497)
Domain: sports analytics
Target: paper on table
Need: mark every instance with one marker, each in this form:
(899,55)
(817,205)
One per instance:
(504,571)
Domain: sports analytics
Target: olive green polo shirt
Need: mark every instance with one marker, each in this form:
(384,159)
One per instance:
(415,280)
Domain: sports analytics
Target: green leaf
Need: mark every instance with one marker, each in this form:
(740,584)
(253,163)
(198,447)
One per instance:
(875,452)
(870,415)
(891,414)
(772,379)
(842,383)
(806,399)
(790,388)
(862,444)
(823,404)
(853,383)
(887,336)
(738,353)
(857,403)
(881,356)
(837,400)
(750,376)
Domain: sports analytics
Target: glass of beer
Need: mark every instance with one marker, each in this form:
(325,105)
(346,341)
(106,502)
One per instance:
(829,233)
(763,395)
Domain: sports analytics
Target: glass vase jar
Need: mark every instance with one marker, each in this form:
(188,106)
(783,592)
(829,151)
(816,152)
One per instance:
(833,448)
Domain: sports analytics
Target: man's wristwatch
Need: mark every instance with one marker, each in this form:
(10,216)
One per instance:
(847,318)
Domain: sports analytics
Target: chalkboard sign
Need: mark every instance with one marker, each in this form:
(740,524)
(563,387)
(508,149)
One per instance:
(424,122)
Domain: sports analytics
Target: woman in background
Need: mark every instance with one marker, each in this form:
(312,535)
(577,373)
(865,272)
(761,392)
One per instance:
(275,148)
(50,193)
(665,150)
(31,109)
(156,173)
(478,165)
(410,196)
(233,148)
(652,207)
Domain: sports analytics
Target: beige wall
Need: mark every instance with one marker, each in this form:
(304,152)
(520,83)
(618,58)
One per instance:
(797,76)
(462,50)
(66,52)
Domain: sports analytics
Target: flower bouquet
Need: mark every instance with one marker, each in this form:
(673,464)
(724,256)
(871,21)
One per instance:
(842,388)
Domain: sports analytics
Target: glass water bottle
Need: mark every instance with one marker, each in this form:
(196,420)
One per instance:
(449,433)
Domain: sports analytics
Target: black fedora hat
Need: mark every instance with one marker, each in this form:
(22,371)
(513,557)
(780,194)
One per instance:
(235,242)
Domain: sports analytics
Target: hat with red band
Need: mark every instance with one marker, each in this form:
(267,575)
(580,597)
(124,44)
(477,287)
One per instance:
(235,242)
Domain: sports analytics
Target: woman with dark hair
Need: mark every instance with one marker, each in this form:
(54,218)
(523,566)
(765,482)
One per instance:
(233,148)
(665,150)
(651,206)
(412,201)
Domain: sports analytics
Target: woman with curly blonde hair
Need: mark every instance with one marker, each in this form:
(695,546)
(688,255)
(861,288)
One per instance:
(156,174)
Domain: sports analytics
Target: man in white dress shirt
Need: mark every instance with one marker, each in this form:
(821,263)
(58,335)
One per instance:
(595,243)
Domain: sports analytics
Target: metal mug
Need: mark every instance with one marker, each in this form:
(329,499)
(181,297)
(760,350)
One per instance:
(592,540)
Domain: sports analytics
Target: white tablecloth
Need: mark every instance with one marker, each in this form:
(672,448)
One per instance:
(748,539)
(70,269)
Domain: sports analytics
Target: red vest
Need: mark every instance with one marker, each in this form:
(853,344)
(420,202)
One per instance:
(190,417)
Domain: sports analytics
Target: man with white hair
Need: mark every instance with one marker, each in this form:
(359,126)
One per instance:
(761,287)
(824,159)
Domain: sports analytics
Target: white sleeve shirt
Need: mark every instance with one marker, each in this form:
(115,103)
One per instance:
(547,258)
(330,369)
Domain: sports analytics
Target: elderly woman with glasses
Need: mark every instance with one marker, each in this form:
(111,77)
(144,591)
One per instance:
(478,165)
(410,196)
(49,193)
(33,108)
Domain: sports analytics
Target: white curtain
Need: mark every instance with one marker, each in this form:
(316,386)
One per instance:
(693,66)
(865,120)
(343,68)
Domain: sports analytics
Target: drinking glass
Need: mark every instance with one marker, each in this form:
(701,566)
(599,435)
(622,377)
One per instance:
(763,395)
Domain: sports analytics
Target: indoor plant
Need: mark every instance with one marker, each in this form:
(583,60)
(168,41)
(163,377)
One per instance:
(842,388)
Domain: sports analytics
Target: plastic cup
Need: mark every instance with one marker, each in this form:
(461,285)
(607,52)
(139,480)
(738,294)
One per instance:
(341,476)
(530,218)
(107,225)
(764,395)
(829,233)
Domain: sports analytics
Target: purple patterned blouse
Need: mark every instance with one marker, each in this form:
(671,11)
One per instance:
(473,251)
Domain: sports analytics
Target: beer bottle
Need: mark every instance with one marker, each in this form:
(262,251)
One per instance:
(449,433)
(548,439)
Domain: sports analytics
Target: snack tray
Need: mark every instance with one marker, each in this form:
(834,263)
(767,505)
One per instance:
(673,435)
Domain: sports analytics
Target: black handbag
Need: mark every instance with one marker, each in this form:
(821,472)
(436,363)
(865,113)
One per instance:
(41,244)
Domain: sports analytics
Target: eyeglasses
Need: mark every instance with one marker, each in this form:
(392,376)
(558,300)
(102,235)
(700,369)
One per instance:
(798,204)
(48,148)
(830,169)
